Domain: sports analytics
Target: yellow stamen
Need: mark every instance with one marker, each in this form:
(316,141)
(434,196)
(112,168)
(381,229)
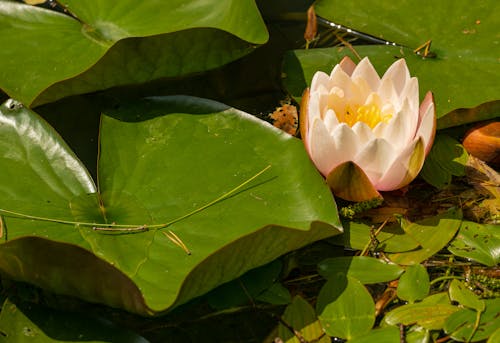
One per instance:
(370,114)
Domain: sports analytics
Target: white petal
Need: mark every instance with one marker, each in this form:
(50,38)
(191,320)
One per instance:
(360,91)
(330,120)
(387,92)
(410,93)
(399,74)
(396,132)
(366,71)
(397,172)
(336,100)
(314,107)
(339,78)
(322,147)
(427,127)
(364,133)
(375,158)
(319,78)
(346,143)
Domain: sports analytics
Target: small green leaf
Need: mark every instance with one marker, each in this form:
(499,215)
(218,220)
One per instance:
(418,335)
(447,158)
(345,308)
(429,316)
(277,294)
(495,337)
(461,325)
(479,242)
(23,322)
(414,283)
(432,233)
(365,269)
(437,298)
(246,288)
(387,335)
(300,316)
(391,238)
(459,293)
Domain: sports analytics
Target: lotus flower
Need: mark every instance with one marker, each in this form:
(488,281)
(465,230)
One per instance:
(365,133)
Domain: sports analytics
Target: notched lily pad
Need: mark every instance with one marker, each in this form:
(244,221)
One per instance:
(191,194)
(96,45)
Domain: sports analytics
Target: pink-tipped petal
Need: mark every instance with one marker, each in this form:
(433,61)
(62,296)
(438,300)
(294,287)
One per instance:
(348,65)
(404,168)
(399,74)
(427,122)
(349,182)
(365,71)
(375,158)
(303,118)
(321,147)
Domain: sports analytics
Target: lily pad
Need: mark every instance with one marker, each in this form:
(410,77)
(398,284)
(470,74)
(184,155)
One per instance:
(465,68)
(186,183)
(182,37)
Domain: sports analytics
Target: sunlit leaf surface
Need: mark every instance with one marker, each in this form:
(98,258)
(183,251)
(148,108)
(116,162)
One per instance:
(161,159)
(104,41)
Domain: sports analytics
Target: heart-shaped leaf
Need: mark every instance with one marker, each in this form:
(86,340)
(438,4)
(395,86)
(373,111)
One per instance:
(345,308)
(414,283)
(182,37)
(184,202)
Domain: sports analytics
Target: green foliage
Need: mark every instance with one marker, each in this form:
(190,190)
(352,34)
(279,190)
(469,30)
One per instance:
(193,203)
(365,269)
(461,40)
(413,284)
(345,308)
(478,242)
(23,322)
(100,44)
(300,317)
(447,158)
(191,152)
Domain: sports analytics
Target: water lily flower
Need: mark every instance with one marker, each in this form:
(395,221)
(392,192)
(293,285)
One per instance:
(364,133)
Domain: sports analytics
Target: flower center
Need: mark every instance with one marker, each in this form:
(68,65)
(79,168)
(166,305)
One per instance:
(370,114)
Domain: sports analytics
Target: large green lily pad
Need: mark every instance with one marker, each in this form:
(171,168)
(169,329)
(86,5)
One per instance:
(104,44)
(160,159)
(465,39)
